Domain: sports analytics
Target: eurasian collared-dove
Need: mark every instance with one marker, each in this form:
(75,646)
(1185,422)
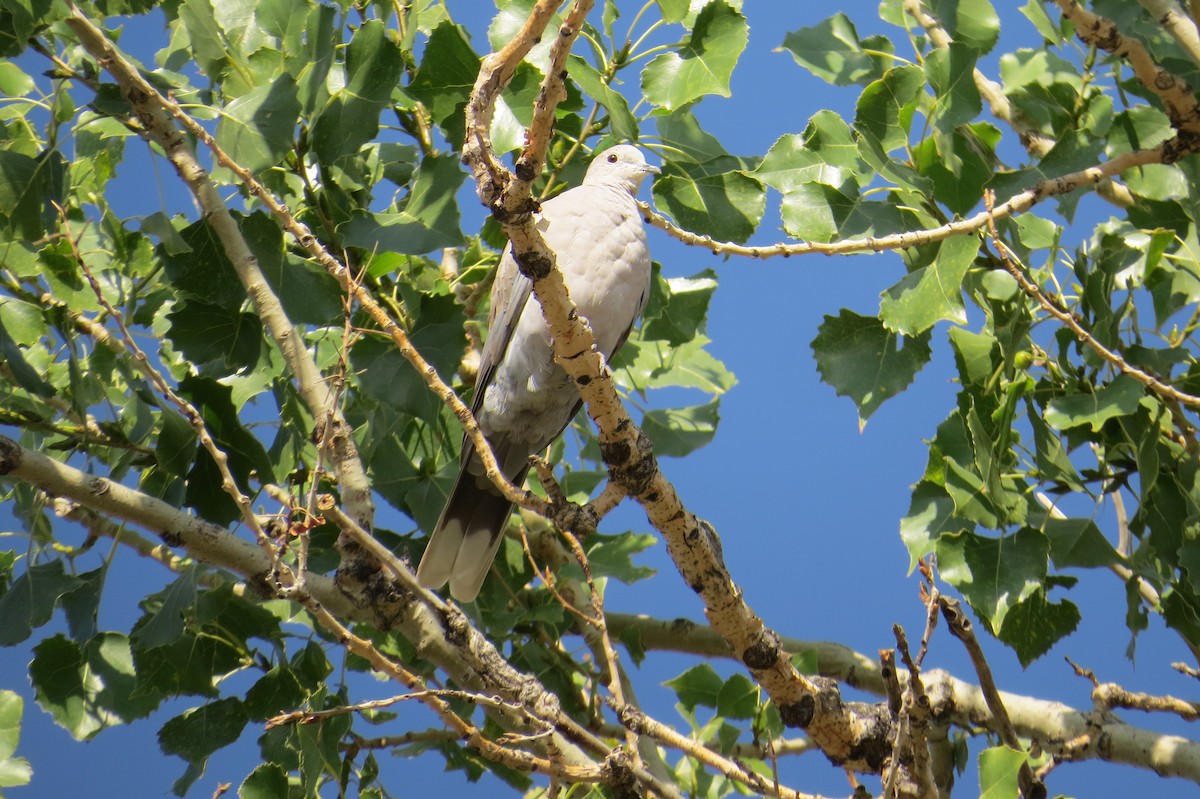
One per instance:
(523,399)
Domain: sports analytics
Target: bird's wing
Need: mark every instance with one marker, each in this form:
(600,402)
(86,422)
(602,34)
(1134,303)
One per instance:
(510,292)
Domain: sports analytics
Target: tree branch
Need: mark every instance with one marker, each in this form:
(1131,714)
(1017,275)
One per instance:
(1056,726)
(1166,153)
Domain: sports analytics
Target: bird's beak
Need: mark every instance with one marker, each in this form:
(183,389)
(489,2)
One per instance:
(651,168)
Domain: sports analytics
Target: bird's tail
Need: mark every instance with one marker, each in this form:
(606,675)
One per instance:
(467,536)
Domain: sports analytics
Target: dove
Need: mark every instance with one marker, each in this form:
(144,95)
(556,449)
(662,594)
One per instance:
(523,399)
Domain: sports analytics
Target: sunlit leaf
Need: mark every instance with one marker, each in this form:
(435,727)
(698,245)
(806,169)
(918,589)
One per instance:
(702,63)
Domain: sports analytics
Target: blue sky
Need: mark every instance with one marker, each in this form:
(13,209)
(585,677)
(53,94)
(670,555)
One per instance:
(807,506)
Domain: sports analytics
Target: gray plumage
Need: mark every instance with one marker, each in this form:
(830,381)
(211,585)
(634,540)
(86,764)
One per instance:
(523,400)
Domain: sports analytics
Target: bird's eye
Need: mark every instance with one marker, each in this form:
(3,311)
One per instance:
(612,158)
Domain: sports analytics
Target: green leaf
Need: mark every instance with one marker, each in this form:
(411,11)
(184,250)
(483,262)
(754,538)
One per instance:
(865,361)
(677,307)
(351,117)
(929,294)
(114,680)
(22,321)
(699,685)
(622,123)
(218,340)
(23,192)
(246,454)
(14,771)
(644,365)
(14,82)
(999,768)
(1036,14)
(976,354)
(817,212)
(312,82)
(832,51)
(23,374)
(808,212)
(203,270)
(267,781)
(309,294)
(57,673)
(31,599)
(970,22)
(789,164)
(18,18)
(715,198)
(162,622)
(507,23)
(950,72)
(673,10)
(446,77)
(275,692)
(738,698)
(612,556)
(258,128)
(206,39)
(1035,624)
(828,135)
(930,515)
(1053,462)
(199,732)
(678,431)
(1121,397)
(1078,542)
(994,574)
(687,141)
(885,107)
(428,221)
(702,63)
(959,164)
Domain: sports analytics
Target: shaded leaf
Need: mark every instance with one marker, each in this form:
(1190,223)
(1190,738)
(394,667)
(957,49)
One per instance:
(994,574)
(447,74)
(429,219)
(678,431)
(31,599)
(1035,624)
(716,198)
(1078,542)
(831,50)
(257,129)
(351,117)
(863,360)
(213,335)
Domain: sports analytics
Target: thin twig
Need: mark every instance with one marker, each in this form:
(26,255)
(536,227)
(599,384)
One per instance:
(1071,321)
(961,628)
(190,412)
(1167,152)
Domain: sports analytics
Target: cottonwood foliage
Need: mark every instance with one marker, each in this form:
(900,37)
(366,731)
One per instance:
(352,114)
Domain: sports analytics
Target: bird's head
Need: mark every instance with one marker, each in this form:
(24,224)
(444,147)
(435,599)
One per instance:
(623,165)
